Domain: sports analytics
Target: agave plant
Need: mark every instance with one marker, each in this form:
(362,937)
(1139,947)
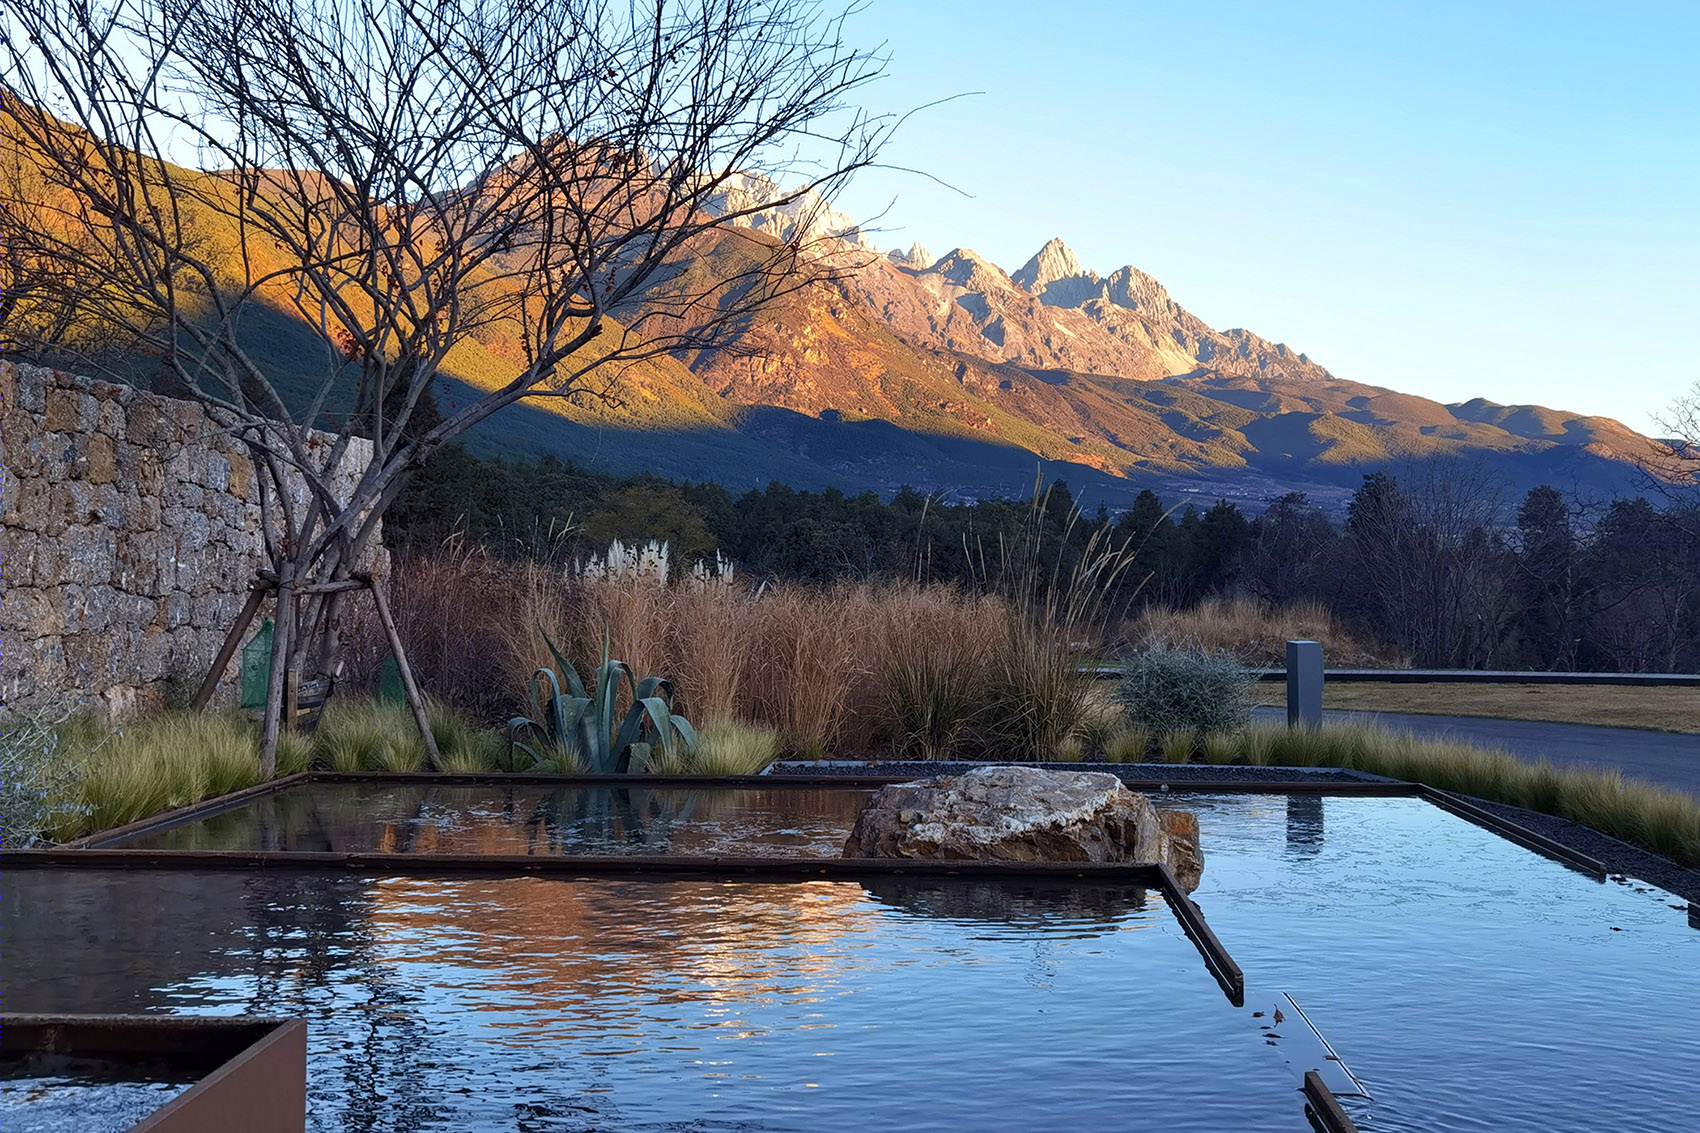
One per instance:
(578,724)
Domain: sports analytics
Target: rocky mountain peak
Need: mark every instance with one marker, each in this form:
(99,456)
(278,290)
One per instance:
(1055,261)
(1131,288)
(916,258)
(965,267)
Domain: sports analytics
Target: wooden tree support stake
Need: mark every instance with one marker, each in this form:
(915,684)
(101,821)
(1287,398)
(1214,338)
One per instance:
(414,700)
(256,595)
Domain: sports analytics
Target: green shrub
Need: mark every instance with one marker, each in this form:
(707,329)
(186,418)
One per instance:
(1169,687)
(41,765)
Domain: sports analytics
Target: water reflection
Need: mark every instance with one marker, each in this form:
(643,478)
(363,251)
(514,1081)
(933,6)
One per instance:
(534,820)
(1304,825)
(1033,903)
(554,1004)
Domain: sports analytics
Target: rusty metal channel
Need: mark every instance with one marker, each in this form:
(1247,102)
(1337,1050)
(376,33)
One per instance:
(1323,1108)
(250,1065)
(1216,958)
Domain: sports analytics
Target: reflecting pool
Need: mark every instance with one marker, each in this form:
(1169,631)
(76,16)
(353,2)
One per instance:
(1469,983)
(538,820)
(58,1094)
(545,1004)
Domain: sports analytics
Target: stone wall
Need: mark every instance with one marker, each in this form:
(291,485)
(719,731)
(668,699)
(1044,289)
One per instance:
(129,530)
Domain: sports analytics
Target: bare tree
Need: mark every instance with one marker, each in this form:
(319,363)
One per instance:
(406,179)
(1673,470)
(1430,563)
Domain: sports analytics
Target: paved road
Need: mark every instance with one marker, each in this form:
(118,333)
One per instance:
(1666,758)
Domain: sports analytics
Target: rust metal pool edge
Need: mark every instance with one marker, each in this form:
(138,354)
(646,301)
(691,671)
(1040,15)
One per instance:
(259,1083)
(191,812)
(1323,1108)
(1191,918)
(1220,964)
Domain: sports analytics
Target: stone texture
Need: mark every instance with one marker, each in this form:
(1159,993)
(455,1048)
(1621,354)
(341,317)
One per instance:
(1182,854)
(129,529)
(1023,814)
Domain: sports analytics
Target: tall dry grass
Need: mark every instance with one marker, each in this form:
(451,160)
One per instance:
(1258,634)
(453,609)
(848,669)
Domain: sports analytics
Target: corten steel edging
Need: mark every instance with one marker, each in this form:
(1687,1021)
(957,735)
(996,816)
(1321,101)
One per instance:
(257,1066)
(1323,1107)
(1152,875)
(618,865)
(191,812)
(1511,831)
(1216,958)
(266,1084)
(635,781)
(1297,784)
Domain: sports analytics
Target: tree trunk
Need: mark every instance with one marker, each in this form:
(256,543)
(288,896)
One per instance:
(283,630)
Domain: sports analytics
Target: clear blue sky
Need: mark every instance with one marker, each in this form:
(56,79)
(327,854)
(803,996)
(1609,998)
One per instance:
(1451,199)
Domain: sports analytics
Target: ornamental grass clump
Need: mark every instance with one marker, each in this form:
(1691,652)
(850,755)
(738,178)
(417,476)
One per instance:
(932,655)
(733,747)
(1171,686)
(166,762)
(1177,746)
(1128,743)
(1221,748)
(1039,697)
(368,735)
(294,753)
(1667,822)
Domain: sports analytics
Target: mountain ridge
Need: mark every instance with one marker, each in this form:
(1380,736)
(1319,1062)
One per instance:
(950,373)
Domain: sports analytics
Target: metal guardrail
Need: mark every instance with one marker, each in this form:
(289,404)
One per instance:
(1463,676)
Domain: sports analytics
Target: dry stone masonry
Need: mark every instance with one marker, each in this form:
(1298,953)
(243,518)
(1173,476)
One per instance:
(129,529)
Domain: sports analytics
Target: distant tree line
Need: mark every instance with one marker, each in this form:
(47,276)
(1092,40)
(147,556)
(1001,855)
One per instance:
(1436,565)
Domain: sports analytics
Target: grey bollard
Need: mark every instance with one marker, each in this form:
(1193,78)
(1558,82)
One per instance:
(1304,684)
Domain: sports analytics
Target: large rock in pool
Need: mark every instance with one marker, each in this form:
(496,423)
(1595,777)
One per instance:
(1025,814)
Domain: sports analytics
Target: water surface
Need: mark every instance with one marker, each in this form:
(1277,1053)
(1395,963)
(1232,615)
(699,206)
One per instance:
(1471,984)
(520,819)
(548,1004)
